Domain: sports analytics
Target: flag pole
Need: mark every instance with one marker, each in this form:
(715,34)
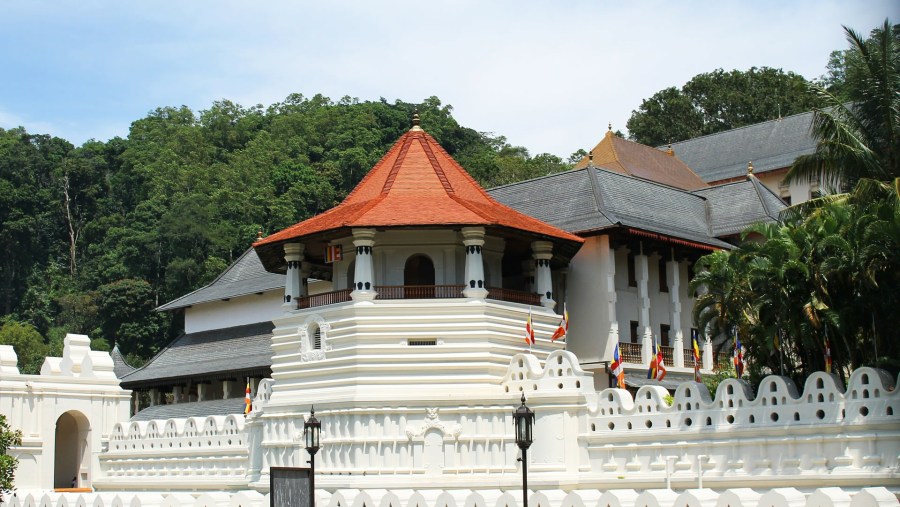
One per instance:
(781,351)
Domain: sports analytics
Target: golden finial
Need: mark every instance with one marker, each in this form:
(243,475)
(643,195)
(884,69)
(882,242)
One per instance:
(259,234)
(670,151)
(415,120)
(749,168)
(610,126)
(591,157)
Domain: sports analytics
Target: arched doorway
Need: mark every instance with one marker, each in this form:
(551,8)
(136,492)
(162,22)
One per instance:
(72,451)
(419,272)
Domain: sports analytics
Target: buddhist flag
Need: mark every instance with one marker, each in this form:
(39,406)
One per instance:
(617,370)
(660,364)
(827,356)
(247,402)
(333,253)
(563,328)
(654,362)
(738,356)
(529,330)
(696,347)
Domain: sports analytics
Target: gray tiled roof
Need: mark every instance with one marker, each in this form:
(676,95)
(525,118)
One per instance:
(245,276)
(734,206)
(769,145)
(120,365)
(208,353)
(191,409)
(593,199)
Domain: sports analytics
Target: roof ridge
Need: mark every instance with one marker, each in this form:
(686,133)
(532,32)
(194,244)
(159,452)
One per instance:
(389,182)
(598,197)
(436,166)
(759,193)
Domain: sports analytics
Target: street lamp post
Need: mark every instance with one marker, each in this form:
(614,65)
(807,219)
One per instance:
(311,429)
(524,420)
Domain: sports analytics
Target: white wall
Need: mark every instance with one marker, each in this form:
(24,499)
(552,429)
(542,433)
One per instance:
(235,312)
(81,384)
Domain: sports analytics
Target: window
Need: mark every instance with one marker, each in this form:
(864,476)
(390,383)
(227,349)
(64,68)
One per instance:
(664,335)
(634,332)
(317,339)
(663,276)
(632,278)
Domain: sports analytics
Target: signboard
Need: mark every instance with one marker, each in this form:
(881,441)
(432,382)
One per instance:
(289,487)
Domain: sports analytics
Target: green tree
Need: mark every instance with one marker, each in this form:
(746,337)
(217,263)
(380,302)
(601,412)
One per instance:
(28,344)
(859,138)
(716,101)
(8,464)
(128,317)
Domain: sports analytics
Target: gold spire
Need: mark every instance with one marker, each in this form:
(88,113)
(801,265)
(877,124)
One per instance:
(591,158)
(415,120)
(670,152)
(610,127)
(749,168)
(259,235)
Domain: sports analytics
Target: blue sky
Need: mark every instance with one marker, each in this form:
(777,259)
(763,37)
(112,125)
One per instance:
(548,75)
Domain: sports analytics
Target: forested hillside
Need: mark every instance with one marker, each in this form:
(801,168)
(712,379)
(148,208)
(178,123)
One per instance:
(96,236)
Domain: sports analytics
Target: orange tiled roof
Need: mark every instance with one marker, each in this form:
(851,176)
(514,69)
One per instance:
(417,183)
(627,157)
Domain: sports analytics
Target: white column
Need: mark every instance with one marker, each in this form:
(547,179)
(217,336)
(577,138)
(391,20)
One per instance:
(608,287)
(176,394)
(642,273)
(227,387)
(202,389)
(364,276)
(293,255)
(473,239)
(708,359)
(673,273)
(542,252)
(154,396)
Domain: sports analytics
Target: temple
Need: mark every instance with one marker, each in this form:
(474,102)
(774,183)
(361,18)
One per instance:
(400,316)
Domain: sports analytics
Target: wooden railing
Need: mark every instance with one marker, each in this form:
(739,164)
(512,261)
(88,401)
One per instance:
(419,291)
(689,358)
(668,355)
(630,352)
(514,296)
(325,298)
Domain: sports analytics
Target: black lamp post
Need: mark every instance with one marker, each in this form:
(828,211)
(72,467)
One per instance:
(311,429)
(524,419)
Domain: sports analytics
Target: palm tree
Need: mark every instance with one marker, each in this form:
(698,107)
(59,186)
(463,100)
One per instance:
(860,139)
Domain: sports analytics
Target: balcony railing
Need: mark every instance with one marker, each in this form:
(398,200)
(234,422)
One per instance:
(419,292)
(514,296)
(631,352)
(325,298)
(689,358)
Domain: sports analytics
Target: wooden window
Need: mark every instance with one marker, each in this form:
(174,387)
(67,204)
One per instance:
(632,277)
(663,276)
(634,331)
(664,335)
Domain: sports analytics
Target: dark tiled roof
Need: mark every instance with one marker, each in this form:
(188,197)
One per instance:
(245,276)
(734,206)
(592,199)
(769,145)
(218,351)
(191,409)
(120,365)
